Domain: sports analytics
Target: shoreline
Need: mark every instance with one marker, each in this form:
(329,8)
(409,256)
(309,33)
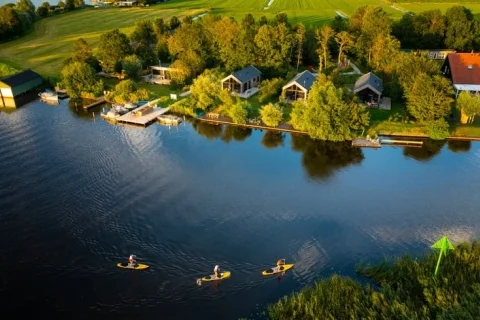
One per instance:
(287,129)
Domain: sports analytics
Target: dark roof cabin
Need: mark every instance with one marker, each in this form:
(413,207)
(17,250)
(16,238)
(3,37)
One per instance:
(298,87)
(16,85)
(464,70)
(242,80)
(369,88)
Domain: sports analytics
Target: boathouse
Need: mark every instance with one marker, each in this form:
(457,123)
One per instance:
(242,81)
(464,70)
(15,88)
(297,89)
(369,89)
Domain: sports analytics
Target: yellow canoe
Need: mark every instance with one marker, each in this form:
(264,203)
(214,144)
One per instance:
(277,270)
(223,275)
(136,266)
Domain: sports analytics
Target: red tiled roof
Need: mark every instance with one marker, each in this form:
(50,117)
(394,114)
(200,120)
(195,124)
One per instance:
(465,68)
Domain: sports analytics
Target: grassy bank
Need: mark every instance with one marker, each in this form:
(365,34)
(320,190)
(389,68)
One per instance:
(407,290)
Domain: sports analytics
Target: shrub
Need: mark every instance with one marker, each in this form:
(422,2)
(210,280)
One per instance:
(438,130)
(271,114)
(270,89)
(238,112)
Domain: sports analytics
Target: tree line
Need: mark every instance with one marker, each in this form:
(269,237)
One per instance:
(222,45)
(18,18)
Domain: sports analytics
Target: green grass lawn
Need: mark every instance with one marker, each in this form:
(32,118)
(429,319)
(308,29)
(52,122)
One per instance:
(44,49)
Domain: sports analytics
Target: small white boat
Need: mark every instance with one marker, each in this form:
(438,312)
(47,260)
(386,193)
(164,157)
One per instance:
(48,96)
(120,108)
(112,114)
(130,105)
(169,119)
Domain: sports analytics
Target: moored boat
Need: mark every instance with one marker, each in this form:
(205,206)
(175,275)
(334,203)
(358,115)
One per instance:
(169,119)
(112,114)
(48,96)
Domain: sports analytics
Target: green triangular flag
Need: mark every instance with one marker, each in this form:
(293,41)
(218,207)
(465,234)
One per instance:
(444,245)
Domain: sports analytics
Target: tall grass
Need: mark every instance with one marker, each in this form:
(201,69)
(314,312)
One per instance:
(407,290)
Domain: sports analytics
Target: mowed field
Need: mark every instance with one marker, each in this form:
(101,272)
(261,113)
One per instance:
(44,49)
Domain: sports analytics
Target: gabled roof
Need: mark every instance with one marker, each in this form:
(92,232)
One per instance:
(21,77)
(246,74)
(369,80)
(304,79)
(464,67)
(165,65)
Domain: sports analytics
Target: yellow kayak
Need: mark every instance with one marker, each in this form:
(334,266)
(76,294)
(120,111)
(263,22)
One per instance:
(223,275)
(136,266)
(276,270)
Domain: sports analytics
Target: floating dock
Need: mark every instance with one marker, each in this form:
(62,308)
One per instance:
(366,143)
(97,102)
(402,142)
(143,116)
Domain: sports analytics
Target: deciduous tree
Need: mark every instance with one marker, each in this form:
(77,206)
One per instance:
(327,116)
(132,65)
(469,106)
(205,89)
(299,42)
(271,114)
(113,47)
(80,80)
(144,33)
(270,88)
(239,112)
(127,91)
(429,99)
(462,31)
(324,36)
(344,41)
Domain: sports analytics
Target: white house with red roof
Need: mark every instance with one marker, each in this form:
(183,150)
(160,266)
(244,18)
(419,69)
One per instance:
(464,70)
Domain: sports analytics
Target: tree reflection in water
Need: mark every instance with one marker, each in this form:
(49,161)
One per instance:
(321,159)
(459,145)
(208,130)
(273,139)
(223,132)
(235,133)
(427,152)
(76,106)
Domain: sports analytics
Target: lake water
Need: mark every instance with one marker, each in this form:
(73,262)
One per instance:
(78,195)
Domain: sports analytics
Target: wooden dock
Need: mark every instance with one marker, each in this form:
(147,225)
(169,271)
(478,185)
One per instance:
(366,143)
(143,115)
(402,142)
(97,102)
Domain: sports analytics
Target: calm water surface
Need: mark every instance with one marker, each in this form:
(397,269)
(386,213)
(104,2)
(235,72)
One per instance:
(78,195)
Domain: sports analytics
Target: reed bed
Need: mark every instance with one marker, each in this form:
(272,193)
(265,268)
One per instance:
(404,289)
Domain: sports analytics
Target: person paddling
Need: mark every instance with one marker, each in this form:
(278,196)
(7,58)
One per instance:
(216,271)
(131,259)
(280,263)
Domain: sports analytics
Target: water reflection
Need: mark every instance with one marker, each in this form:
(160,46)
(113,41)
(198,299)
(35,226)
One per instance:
(459,146)
(8,110)
(76,107)
(321,159)
(230,133)
(207,130)
(273,139)
(427,152)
